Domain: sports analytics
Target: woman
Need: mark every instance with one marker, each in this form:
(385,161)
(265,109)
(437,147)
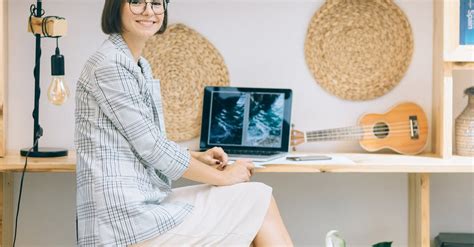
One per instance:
(125,164)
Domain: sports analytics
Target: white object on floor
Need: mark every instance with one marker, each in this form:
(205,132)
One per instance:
(334,240)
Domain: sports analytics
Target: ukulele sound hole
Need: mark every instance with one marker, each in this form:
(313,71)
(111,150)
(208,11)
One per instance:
(381,130)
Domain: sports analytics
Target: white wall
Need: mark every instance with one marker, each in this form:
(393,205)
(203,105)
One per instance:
(262,44)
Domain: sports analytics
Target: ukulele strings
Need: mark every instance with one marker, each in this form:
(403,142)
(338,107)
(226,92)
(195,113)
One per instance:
(395,129)
(361,130)
(394,126)
(336,137)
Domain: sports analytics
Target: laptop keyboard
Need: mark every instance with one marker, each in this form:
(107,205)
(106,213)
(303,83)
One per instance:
(251,152)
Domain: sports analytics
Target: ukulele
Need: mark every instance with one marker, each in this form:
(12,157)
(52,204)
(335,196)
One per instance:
(403,129)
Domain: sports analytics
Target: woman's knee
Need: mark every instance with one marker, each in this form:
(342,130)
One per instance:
(259,187)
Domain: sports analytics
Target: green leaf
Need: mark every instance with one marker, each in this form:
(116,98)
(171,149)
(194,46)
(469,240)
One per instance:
(383,244)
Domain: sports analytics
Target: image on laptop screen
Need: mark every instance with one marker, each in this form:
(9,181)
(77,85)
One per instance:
(246,117)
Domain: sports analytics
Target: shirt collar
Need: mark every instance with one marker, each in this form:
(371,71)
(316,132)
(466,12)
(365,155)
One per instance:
(119,42)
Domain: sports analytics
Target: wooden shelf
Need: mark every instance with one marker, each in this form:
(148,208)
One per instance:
(450,66)
(15,163)
(463,53)
(385,163)
(364,163)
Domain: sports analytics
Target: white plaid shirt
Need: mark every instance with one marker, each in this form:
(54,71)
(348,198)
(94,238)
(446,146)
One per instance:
(125,164)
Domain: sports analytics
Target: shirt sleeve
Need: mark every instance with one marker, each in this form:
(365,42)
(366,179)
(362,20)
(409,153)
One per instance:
(118,96)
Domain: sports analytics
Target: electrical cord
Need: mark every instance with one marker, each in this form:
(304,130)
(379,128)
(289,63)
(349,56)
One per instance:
(21,189)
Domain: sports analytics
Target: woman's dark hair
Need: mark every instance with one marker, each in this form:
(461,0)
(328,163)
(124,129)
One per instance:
(112,18)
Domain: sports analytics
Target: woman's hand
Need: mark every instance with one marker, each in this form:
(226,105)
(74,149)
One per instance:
(213,157)
(239,172)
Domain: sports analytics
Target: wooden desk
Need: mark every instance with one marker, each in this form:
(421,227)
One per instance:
(418,168)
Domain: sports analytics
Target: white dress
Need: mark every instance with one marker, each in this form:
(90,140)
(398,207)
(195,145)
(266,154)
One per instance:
(222,216)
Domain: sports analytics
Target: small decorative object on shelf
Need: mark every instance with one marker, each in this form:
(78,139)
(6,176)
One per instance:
(466,23)
(465,127)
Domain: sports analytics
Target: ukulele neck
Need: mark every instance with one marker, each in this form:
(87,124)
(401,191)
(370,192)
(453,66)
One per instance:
(346,133)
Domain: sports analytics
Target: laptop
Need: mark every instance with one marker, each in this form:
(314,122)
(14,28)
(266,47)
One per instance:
(248,123)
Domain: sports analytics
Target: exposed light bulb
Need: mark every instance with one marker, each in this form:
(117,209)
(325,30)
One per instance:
(58,92)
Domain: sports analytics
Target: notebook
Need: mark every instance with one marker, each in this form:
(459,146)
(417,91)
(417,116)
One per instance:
(248,123)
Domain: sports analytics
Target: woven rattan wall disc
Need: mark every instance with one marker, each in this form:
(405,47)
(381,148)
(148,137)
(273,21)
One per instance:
(359,49)
(185,62)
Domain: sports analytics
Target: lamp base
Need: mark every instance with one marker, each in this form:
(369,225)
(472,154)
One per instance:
(44,152)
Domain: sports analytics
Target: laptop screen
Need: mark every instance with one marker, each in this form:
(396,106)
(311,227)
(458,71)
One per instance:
(243,118)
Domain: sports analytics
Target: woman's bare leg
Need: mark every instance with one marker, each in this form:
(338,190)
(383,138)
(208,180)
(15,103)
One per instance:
(273,231)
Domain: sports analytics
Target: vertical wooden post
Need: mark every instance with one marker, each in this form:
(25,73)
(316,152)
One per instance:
(6,209)
(419,210)
(6,179)
(442,85)
(3,70)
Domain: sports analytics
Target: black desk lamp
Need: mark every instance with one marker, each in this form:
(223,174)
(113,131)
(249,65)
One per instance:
(46,27)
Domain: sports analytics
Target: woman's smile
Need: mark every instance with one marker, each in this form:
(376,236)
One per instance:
(146,23)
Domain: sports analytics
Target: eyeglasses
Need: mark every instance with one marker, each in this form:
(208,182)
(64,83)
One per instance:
(138,7)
